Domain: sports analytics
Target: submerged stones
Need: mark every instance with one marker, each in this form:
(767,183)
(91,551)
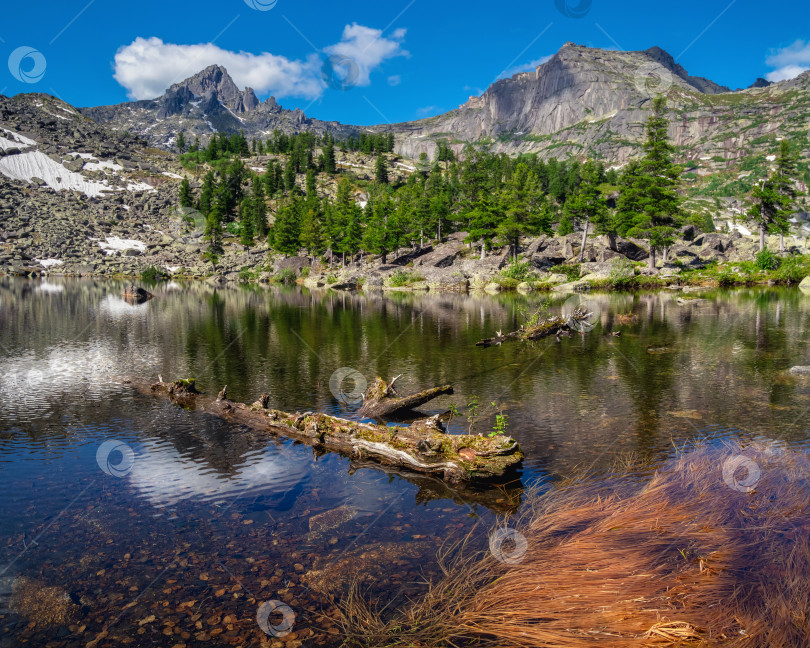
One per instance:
(323,522)
(43,605)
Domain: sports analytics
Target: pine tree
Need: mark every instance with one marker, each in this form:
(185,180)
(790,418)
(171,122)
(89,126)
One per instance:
(770,210)
(377,238)
(213,234)
(258,206)
(286,232)
(587,205)
(656,187)
(786,170)
(311,186)
(207,193)
(311,229)
(186,197)
(329,163)
(181,142)
(381,170)
(521,211)
(289,175)
(246,222)
(484,219)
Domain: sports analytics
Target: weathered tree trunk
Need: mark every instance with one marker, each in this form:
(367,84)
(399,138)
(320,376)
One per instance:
(652,257)
(555,325)
(380,399)
(483,250)
(584,240)
(781,241)
(423,447)
(762,231)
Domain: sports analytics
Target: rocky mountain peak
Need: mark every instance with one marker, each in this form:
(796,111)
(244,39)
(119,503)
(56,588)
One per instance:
(668,61)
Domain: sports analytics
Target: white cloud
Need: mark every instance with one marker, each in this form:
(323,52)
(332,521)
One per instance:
(148,66)
(790,61)
(526,67)
(394,80)
(367,48)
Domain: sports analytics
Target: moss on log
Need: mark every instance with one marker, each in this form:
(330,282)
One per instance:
(422,447)
(556,325)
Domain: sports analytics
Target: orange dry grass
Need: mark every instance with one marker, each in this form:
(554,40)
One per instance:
(681,559)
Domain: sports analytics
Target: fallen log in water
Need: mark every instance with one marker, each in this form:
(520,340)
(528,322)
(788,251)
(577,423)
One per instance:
(423,447)
(556,325)
(381,400)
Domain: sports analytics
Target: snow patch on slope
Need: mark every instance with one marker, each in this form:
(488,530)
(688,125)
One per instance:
(38,165)
(113,244)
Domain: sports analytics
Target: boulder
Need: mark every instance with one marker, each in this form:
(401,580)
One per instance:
(493,288)
(293,263)
(631,249)
(799,371)
(805,285)
(442,257)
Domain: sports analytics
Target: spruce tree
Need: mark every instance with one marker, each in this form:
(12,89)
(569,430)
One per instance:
(258,206)
(381,170)
(587,205)
(246,222)
(311,230)
(286,231)
(785,175)
(329,163)
(770,210)
(656,187)
(207,193)
(186,198)
(181,142)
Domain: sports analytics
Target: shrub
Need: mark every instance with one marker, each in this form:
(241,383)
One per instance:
(766,260)
(287,276)
(247,274)
(305,271)
(402,278)
(508,283)
(519,271)
(153,274)
(793,269)
(573,272)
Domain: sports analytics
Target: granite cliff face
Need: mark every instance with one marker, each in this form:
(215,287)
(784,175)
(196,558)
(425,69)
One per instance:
(587,102)
(205,103)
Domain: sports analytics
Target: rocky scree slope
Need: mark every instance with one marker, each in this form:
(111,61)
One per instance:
(76,198)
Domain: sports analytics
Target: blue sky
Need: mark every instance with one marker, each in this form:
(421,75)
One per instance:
(412,58)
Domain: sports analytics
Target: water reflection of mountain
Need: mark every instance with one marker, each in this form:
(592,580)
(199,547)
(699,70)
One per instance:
(677,368)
